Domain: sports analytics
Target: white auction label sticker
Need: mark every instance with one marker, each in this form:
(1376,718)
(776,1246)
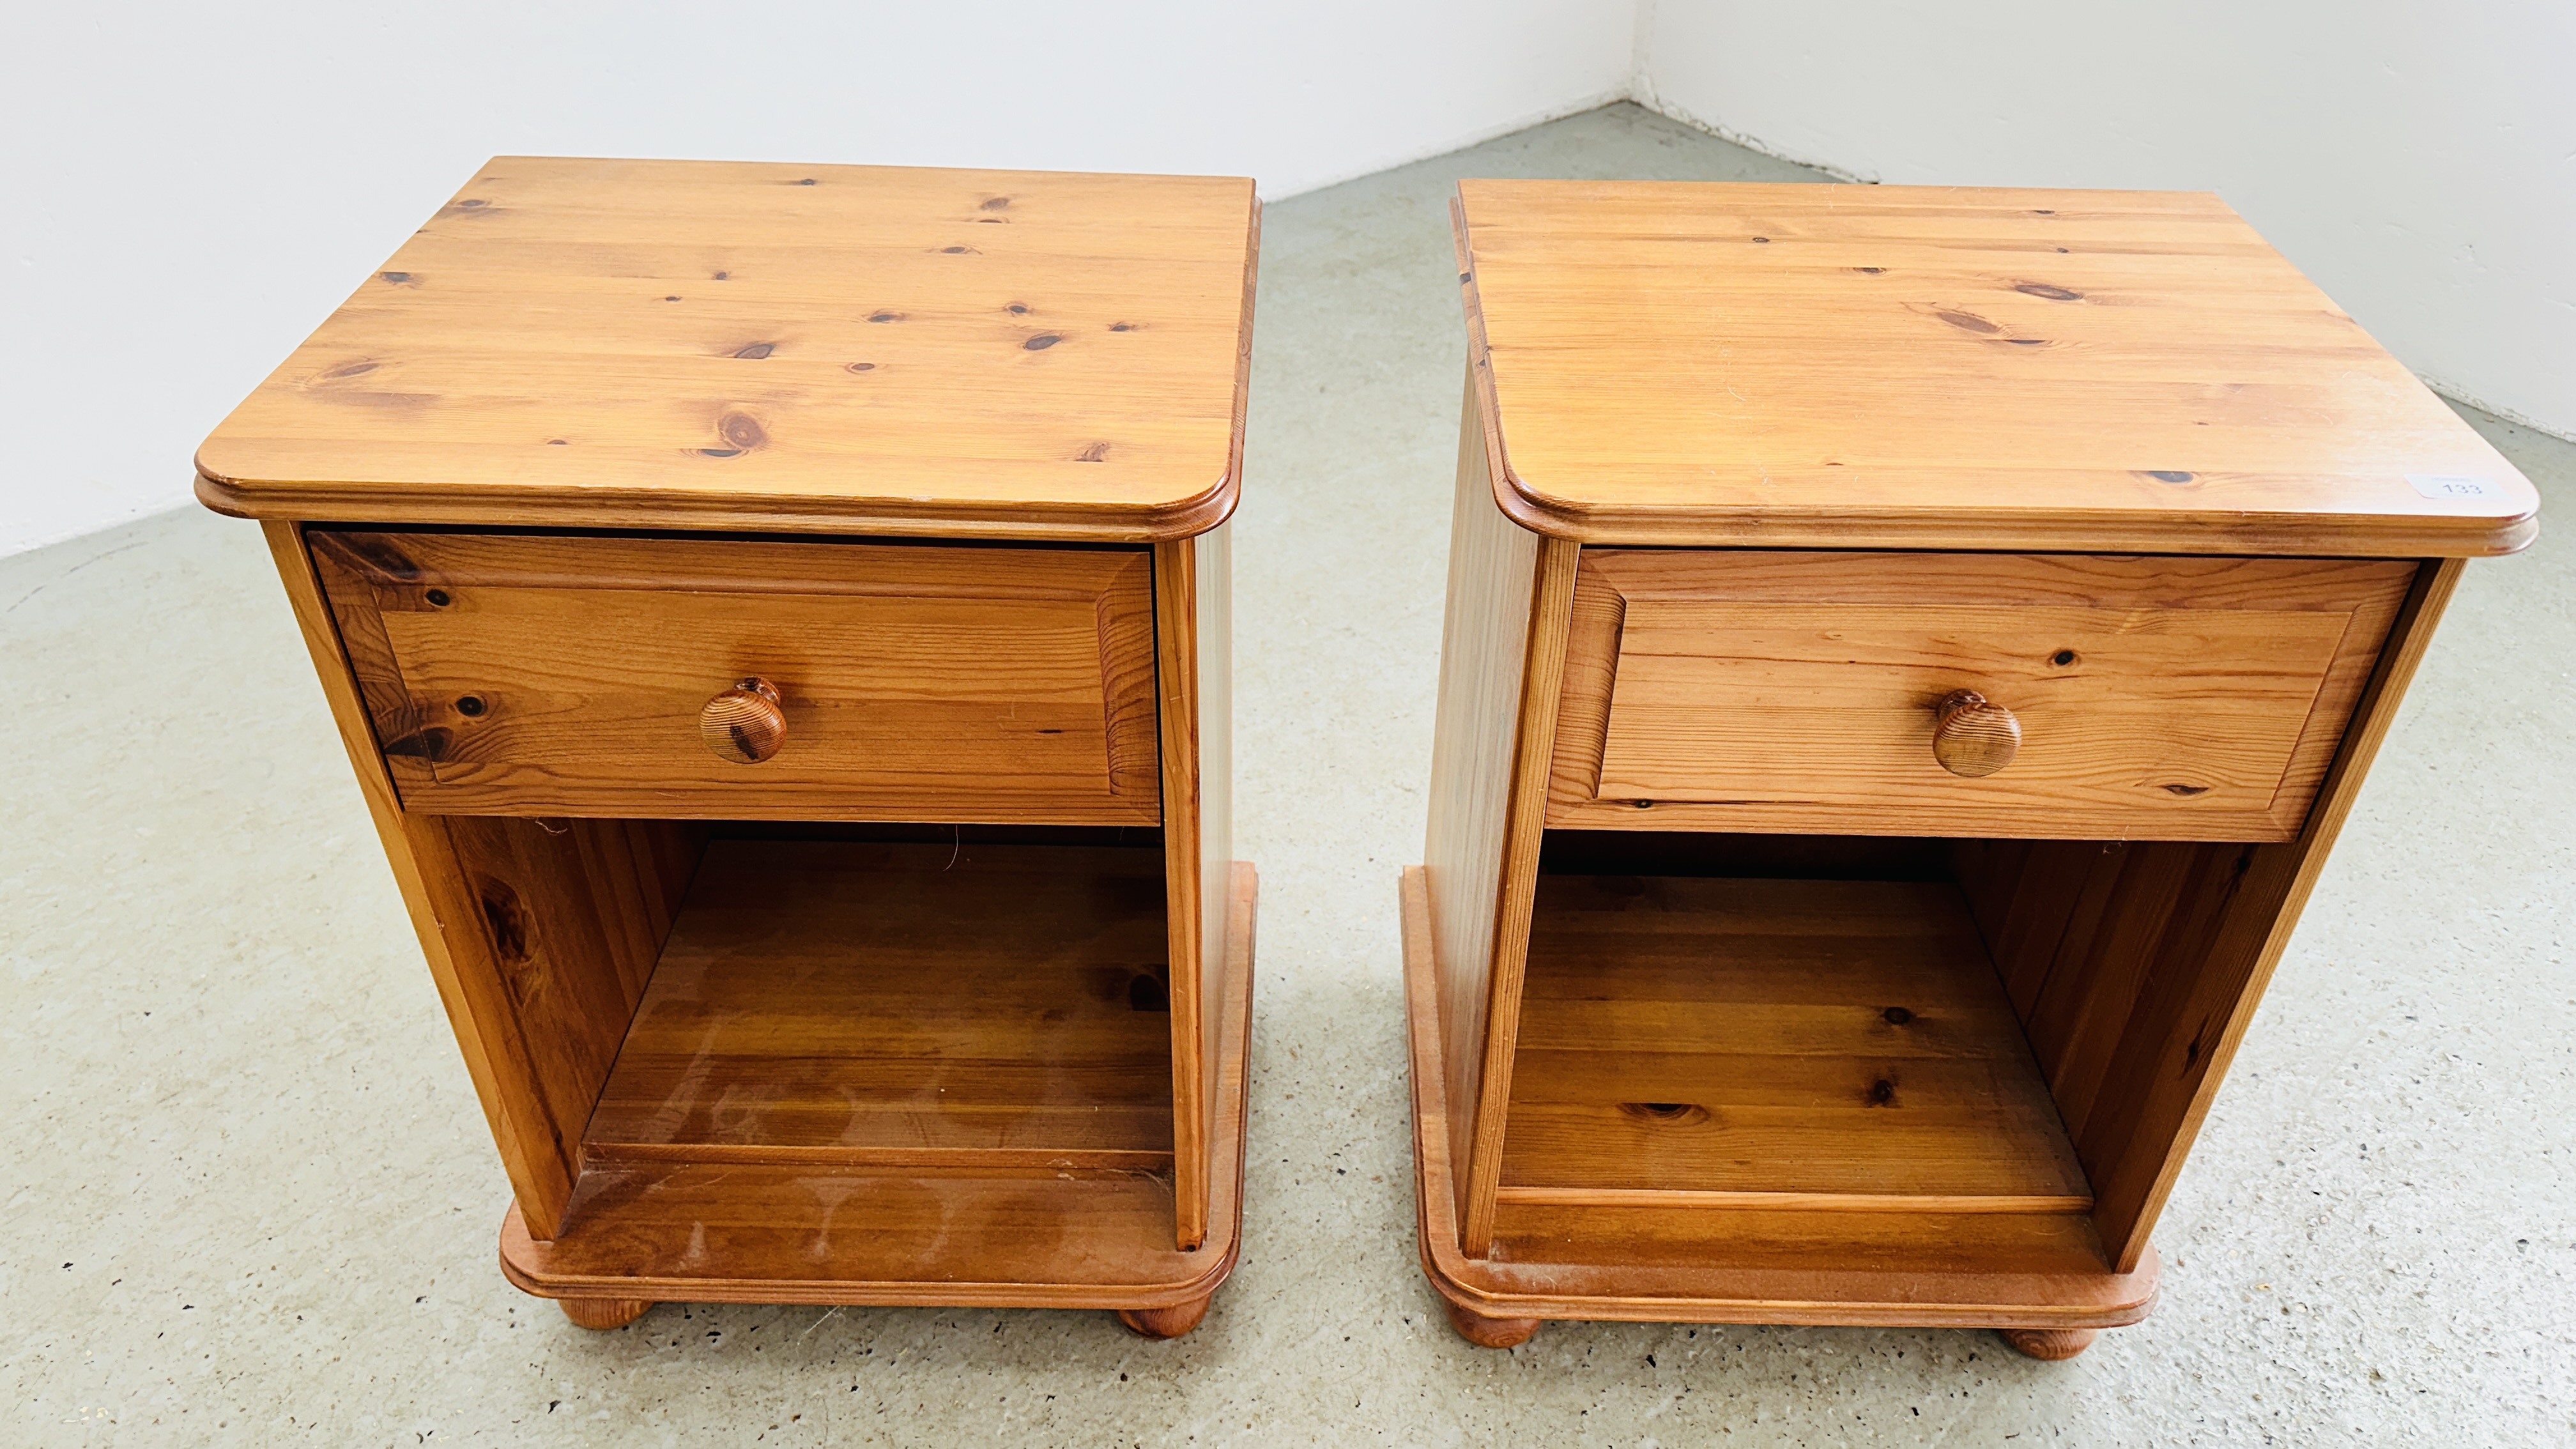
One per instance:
(2455,485)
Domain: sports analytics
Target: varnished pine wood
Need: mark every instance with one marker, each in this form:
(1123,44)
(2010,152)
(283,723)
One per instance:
(824,1002)
(1652,1264)
(961,1234)
(2050,1345)
(570,916)
(736,1233)
(2172,698)
(1194,685)
(539,1172)
(567,674)
(604,1313)
(1484,654)
(1176,685)
(1484,1332)
(744,724)
(539,934)
(2187,1025)
(1170,1322)
(1685,363)
(1594,624)
(1774,389)
(1193,592)
(1769,1200)
(1972,736)
(1524,831)
(1897,1269)
(1771,1044)
(2077,927)
(852,1101)
(2136,966)
(1194,661)
(778,347)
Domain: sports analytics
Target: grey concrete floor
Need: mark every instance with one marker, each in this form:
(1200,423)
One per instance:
(250,1199)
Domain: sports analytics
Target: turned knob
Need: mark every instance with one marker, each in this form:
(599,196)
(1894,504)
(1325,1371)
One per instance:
(1973,735)
(744,724)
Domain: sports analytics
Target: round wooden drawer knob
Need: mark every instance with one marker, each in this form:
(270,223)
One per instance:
(1973,735)
(744,724)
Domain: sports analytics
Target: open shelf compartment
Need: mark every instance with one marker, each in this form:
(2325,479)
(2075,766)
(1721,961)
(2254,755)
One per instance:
(867,1068)
(1774,1044)
(892,1004)
(1765,1079)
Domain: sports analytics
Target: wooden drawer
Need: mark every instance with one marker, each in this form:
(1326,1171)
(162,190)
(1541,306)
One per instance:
(565,675)
(2157,698)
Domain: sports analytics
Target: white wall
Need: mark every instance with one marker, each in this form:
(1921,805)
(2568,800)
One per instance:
(186,189)
(2417,159)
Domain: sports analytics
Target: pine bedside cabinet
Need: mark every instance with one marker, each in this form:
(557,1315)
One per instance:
(1909,652)
(778,617)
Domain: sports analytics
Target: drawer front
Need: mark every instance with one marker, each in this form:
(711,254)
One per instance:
(2155,698)
(565,675)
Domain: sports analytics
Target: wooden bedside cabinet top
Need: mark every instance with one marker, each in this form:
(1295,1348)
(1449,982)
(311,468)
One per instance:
(716,345)
(1943,368)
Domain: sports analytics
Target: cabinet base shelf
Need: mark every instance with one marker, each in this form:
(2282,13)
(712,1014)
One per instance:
(1735,1264)
(996,1237)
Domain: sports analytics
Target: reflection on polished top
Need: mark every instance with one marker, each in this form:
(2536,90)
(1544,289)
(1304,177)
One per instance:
(737,345)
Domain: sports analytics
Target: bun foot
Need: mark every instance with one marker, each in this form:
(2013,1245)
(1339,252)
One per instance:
(1486,1332)
(1169,1322)
(2051,1345)
(604,1312)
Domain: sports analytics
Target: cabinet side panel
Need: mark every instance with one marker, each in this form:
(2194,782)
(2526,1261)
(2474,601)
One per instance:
(1215,606)
(2168,904)
(2121,920)
(2078,927)
(1493,569)
(1524,832)
(536,1154)
(355,587)
(647,864)
(563,921)
(1179,682)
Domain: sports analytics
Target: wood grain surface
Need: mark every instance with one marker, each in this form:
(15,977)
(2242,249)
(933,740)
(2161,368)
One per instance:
(1484,659)
(1972,736)
(2050,1345)
(1194,653)
(540,934)
(1726,1265)
(604,1314)
(2157,698)
(2157,1029)
(1787,366)
(744,724)
(998,1234)
(833,1001)
(1524,837)
(543,675)
(2136,967)
(1846,1044)
(717,345)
